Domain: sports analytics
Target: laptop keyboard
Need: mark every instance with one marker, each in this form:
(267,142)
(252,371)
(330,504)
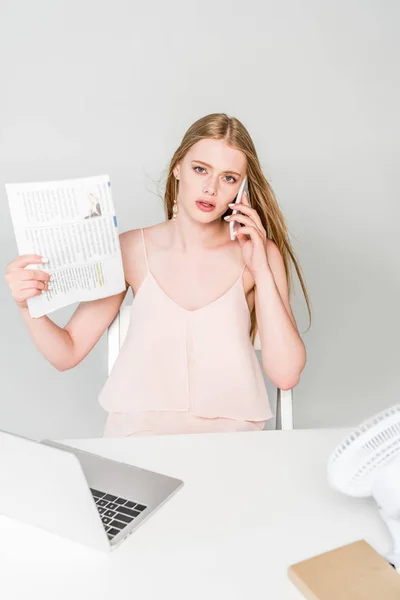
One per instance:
(115,512)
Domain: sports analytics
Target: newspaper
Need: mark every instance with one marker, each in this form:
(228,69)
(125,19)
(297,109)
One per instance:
(73,224)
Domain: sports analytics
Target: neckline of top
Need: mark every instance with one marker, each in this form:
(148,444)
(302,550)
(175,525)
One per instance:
(196,310)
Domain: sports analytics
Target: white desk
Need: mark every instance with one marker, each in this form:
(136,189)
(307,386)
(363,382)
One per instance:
(252,504)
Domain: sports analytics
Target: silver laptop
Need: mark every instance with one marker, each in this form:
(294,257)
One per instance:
(77,494)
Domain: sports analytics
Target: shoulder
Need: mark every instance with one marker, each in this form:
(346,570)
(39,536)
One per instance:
(271,246)
(129,238)
(277,266)
(274,256)
(132,252)
(278,269)
(130,243)
(132,240)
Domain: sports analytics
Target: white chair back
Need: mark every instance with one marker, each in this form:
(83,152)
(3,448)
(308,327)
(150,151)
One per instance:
(116,335)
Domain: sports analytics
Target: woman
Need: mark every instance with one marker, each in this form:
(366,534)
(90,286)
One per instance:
(188,363)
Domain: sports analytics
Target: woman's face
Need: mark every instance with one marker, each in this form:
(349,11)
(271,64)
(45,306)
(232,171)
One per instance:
(218,183)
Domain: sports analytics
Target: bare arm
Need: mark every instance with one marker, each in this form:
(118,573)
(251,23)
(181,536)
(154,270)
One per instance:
(282,349)
(64,347)
(88,323)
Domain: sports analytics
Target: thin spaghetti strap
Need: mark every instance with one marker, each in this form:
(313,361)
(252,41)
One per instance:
(240,278)
(145,251)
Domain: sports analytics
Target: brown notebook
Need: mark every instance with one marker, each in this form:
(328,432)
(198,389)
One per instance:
(352,572)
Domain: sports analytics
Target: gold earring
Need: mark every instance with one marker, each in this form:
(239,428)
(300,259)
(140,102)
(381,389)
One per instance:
(175,206)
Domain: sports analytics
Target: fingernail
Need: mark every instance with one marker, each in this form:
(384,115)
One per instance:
(227,217)
(44,260)
(231,204)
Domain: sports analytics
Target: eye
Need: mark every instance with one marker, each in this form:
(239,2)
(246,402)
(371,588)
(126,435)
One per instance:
(198,167)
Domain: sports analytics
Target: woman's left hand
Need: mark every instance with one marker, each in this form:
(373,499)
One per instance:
(251,236)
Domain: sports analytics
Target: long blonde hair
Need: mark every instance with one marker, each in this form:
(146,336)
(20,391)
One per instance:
(220,126)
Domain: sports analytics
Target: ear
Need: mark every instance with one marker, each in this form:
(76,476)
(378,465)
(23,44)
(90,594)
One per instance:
(177,170)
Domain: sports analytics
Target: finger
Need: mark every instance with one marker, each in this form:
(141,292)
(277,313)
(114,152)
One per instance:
(16,279)
(240,218)
(26,274)
(25,260)
(37,285)
(248,230)
(25,294)
(248,210)
(245,220)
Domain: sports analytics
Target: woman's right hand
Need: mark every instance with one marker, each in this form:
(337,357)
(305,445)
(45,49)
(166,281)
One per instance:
(26,283)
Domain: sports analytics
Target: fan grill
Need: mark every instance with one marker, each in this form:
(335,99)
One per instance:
(374,443)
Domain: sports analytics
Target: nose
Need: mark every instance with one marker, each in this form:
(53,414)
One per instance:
(209,188)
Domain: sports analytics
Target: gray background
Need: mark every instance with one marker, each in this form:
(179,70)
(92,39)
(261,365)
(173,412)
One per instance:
(91,88)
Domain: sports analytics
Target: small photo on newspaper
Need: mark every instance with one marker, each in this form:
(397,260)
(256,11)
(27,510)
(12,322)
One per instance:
(73,224)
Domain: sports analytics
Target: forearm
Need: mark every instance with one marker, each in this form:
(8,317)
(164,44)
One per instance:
(283,351)
(52,341)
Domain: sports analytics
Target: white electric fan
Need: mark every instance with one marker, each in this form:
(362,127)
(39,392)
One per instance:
(367,463)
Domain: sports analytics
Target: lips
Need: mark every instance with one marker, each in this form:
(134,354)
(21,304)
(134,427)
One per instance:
(204,207)
(206,201)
